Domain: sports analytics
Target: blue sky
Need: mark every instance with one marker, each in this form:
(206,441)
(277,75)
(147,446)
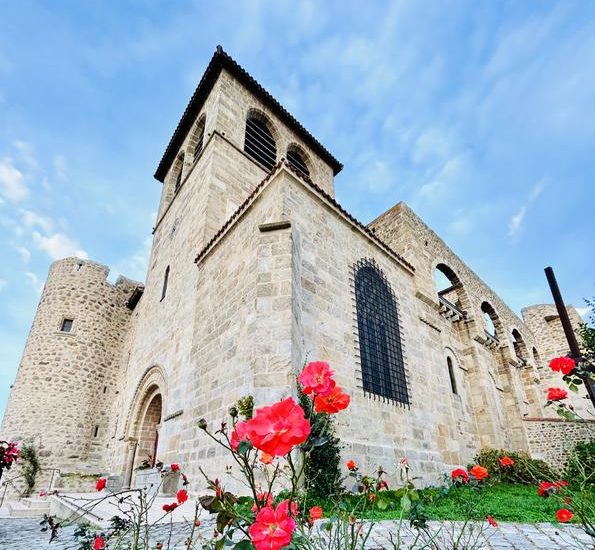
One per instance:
(480,115)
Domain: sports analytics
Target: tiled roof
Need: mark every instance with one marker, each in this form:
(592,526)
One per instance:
(219,61)
(307,180)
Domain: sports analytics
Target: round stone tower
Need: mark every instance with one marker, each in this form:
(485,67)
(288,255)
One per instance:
(65,387)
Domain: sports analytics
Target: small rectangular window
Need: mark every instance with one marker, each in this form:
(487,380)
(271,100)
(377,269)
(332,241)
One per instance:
(96,431)
(66,325)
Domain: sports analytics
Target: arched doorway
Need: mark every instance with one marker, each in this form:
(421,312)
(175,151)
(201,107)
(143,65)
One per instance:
(148,431)
(144,421)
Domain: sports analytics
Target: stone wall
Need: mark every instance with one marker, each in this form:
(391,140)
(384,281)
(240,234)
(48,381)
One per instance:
(552,439)
(503,381)
(66,382)
(545,324)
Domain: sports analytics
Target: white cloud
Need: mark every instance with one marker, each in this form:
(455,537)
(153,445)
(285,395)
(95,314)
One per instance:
(3,284)
(516,221)
(451,175)
(583,312)
(58,246)
(26,153)
(60,166)
(32,277)
(24,253)
(12,184)
(136,265)
(33,219)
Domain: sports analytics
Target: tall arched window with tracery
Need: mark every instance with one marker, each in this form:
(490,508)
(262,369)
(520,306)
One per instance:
(380,347)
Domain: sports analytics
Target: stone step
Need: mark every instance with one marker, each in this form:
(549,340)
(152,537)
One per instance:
(25,509)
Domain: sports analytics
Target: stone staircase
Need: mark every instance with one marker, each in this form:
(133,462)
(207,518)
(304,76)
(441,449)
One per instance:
(28,507)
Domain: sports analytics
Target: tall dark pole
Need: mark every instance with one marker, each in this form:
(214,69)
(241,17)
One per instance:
(575,351)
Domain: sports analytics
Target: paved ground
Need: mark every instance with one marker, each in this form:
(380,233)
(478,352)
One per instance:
(24,534)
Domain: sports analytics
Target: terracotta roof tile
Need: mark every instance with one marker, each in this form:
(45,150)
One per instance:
(327,197)
(221,60)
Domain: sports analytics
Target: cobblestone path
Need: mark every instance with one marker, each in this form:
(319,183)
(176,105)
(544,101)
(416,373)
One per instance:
(24,534)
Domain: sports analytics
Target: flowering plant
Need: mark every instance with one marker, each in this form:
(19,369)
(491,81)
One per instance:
(574,374)
(9,454)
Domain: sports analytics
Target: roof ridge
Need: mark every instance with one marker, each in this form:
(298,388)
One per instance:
(221,59)
(283,162)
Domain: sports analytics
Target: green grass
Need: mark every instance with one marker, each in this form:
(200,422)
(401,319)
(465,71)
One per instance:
(503,501)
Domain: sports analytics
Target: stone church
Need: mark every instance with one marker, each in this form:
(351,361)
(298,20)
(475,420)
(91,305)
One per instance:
(255,269)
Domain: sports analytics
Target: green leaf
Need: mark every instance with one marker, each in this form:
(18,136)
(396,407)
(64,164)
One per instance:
(210,503)
(405,503)
(244,545)
(382,502)
(222,520)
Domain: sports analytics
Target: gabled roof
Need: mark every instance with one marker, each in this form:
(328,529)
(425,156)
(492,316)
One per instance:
(219,61)
(283,163)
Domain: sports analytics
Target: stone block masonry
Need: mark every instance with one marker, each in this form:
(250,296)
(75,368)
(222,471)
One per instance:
(66,383)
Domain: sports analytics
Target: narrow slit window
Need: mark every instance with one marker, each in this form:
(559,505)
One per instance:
(200,133)
(165,281)
(180,173)
(66,325)
(259,143)
(451,375)
(96,432)
(381,352)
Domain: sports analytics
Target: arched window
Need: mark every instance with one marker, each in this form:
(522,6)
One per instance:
(381,354)
(490,320)
(536,358)
(450,290)
(296,159)
(259,142)
(180,171)
(165,280)
(200,136)
(520,349)
(451,375)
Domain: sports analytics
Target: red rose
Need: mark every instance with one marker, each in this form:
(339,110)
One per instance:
(182,496)
(315,513)
(273,527)
(101,483)
(99,543)
(333,402)
(506,461)
(564,515)
(262,500)
(175,467)
(351,465)
(239,434)
(479,472)
(492,521)
(560,483)
(277,429)
(565,365)
(317,378)
(458,474)
(545,489)
(556,394)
